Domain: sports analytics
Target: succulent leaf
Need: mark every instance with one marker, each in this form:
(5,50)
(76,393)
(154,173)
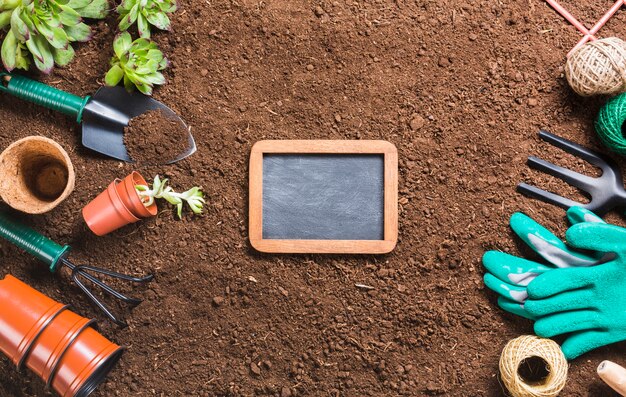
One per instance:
(19,28)
(9,51)
(63,56)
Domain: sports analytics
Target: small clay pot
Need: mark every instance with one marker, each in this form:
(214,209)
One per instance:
(37,175)
(107,212)
(131,199)
(24,314)
(54,341)
(85,364)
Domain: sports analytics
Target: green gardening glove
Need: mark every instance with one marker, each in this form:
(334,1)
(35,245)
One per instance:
(508,275)
(589,304)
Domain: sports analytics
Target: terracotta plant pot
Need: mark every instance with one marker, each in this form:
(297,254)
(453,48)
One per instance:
(107,212)
(131,199)
(24,314)
(49,347)
(85,364)
(37,175)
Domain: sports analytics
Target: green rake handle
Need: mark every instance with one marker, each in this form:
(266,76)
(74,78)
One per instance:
(44,95)
(32,242)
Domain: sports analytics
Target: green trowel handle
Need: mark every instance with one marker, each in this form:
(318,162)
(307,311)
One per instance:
(44,95)
(32,242)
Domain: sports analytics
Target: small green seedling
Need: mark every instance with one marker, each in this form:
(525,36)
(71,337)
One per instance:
(194,197)
(145,13)
(45,29)
(137,62)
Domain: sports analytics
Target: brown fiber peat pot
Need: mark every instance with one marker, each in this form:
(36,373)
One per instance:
(49,347)
(107,212)
(131,199)
(24,314)
(37,175)
(85,364)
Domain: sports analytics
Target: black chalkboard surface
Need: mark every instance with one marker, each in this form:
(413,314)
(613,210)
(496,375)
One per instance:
(323,196)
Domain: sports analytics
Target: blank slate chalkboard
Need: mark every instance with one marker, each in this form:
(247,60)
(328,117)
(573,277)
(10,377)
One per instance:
(323,196)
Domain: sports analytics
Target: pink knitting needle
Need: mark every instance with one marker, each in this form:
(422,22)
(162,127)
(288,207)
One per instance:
(598,25)
(571,19)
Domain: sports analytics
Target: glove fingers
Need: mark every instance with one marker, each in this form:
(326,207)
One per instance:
(511,292)
(512,269)
(514,308)
(567,322)
(581,342)
(546,244)
(557,281)
(597,237)
(577,215)
(569,300)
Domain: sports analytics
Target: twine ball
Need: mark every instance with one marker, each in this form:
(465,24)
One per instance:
(609,124)
(598,67)
(525,347)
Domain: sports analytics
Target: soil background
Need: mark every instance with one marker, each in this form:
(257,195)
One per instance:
(460,87)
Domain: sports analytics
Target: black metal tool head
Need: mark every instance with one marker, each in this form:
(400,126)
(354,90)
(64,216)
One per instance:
(606,191)
(109,111)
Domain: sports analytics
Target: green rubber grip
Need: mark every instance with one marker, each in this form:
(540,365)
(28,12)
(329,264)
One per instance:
(44,95)
(32,242)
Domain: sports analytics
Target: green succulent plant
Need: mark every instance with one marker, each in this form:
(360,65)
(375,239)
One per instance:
(145,13)
(194,197)
(137,62)
(45,29)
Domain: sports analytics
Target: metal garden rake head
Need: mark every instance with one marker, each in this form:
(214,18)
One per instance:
(606,191)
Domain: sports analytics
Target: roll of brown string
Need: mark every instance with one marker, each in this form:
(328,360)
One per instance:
(517,351)
(598,67)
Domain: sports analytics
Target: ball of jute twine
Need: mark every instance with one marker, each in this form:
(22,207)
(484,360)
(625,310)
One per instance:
(598,67)
(609,124)
(525,347)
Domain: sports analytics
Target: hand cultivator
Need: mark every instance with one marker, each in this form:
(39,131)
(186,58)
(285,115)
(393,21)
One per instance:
(55,256)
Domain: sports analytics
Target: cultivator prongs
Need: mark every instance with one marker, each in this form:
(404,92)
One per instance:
(546,196)
(78,271)
(606,191)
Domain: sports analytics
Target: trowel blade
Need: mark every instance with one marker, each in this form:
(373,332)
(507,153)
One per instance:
(109,111)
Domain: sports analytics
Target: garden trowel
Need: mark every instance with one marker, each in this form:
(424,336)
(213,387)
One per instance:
(103,116)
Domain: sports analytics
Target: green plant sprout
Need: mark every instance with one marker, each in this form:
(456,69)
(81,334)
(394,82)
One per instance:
(194,197)
(45,29)
(145,13)
(137,62)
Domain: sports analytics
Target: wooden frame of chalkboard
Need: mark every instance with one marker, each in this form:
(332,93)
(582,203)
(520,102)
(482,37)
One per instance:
(315,147)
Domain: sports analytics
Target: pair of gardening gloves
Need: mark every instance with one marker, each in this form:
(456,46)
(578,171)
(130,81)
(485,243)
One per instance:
(579,293)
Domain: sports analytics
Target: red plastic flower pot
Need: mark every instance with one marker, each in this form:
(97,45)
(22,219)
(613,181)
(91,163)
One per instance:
(107,212)
(85,364)
(131,199)
(24,314)
(54,341)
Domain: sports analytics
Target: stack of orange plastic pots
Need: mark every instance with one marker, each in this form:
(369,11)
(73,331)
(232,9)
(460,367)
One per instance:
(55,343)
(117,206)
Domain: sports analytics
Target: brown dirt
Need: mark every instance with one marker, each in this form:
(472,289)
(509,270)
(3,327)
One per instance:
(461,89)
(154,138)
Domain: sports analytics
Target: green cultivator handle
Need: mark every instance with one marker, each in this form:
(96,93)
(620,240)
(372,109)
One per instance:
(32,242)
(44,95)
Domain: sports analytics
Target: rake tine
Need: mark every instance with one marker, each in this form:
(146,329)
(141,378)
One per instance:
(573,178)
(548,197)
(574,149)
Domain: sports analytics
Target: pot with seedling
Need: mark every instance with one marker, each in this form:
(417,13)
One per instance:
(131,199)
